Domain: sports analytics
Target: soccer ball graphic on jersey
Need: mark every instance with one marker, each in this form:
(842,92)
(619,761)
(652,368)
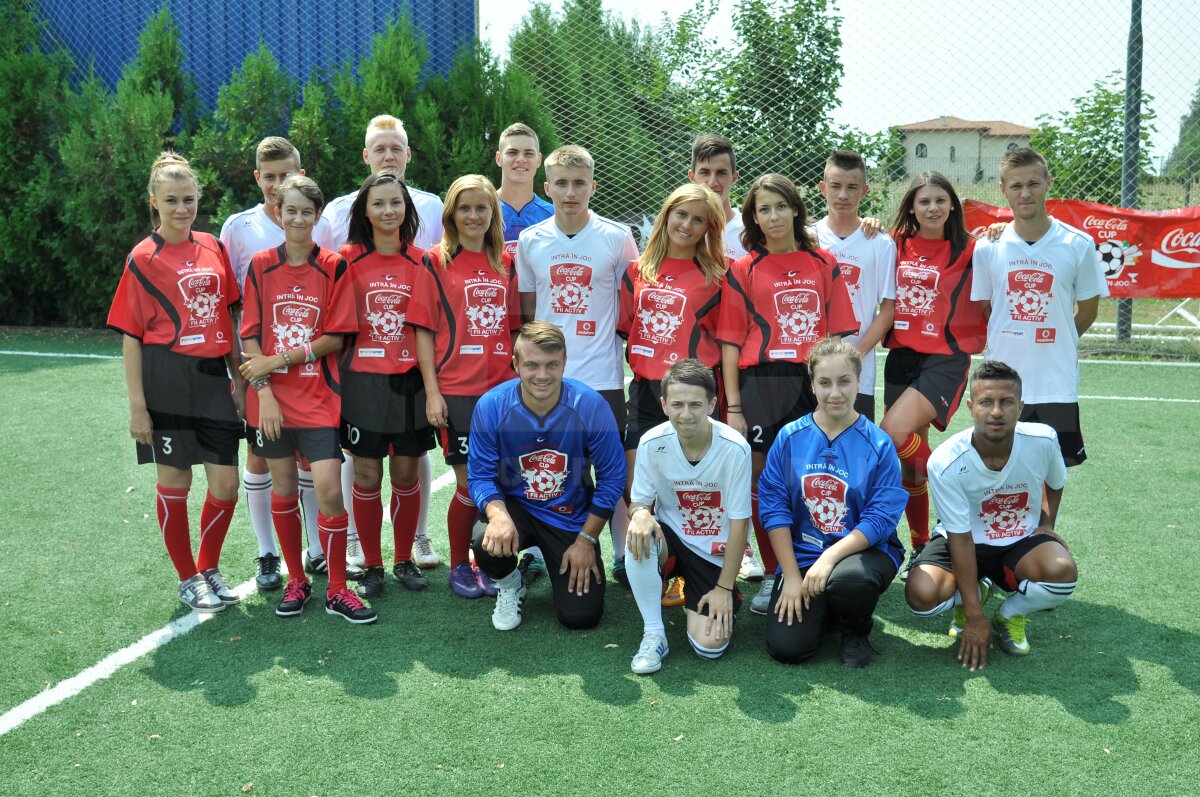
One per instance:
(1116,255)
(201,297)
(290,336)
(486,317)
(1004,514)
(545,473)
(797,324)
(387,324)
(825,499)
(700,511)
(571,294)
(1029,302)
(659,324)
(914,298)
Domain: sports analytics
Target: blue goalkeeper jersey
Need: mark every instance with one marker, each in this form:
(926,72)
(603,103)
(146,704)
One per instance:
(516,220)
(543,461)
(822,490)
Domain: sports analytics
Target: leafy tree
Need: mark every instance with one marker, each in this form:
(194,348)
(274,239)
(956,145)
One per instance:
(1184,160)
(158,66)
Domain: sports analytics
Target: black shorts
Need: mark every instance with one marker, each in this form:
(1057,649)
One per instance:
(644,410)
(385,414)
(940,378)
(774,395)
(191,408)
(456,436)
(700,574)
(864,404)
(997,562)
(616,403)
(1064,419)
(312,444)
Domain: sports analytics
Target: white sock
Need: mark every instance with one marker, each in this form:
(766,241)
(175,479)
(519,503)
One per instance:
(258,503)
(707,653)
(308,507)
(944,606)
(511,581)
(1034,596)
(347,492)
(620,527)
(425,481)
(646,584)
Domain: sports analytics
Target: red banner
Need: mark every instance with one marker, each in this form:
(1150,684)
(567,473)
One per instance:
(1151,254)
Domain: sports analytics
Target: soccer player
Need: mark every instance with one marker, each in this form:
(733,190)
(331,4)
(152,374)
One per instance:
(1041,284)
(997,487)
(534,440)
(174,309)
(386,149)
(867,263)
(778,301)
(831,498)
(464,324)
(714,165)
(569,268)
(299,306)
(244,234)
(690,501)
(935,330)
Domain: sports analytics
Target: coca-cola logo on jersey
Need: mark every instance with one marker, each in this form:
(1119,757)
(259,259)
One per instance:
(201,297)
(701,512)
(851,274)
(386,311)
(486,309)
(1004,514)
(916,290)
(798,315)
(1029,294)
(293,324)
(545,473)
(570,288)
(825,498)
(660,314)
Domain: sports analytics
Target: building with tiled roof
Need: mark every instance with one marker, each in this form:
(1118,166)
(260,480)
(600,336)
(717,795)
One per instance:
(963,150)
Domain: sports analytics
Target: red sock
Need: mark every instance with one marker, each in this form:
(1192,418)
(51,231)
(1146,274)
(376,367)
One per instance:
(406,506)
(173,522)
(214,525)
(285,514)
(915,453)
(916,512)
(333,540)
(368,517)
(460,522)
(765,551)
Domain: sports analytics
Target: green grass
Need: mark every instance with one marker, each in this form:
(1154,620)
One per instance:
(432,700)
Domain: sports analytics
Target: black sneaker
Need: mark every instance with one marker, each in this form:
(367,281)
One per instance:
(315,564)
(345,604)
(371,583)
(530,572)
(618,572)
(912,560)
(267,578)
(409,576)
(294,597)
(856,650)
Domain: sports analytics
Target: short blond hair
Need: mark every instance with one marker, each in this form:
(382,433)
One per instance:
(384,122)
(571,156)
(544,335)
(276,148)
(519,129)
(1023,156)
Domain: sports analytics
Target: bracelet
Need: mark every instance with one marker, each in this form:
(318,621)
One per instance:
(287,360)
(309,357)
(589,538)
(734,408)
(260,383)
(637,509)
(727,589)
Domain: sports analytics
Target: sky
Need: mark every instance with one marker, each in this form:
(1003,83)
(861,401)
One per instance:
(1011,60)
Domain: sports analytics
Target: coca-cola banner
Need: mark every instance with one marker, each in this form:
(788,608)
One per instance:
(1146,254)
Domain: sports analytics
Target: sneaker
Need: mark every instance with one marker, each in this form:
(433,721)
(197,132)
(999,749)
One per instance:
(423,553)
(409,577)
(198,594)
(463,582)
(751,569)
(912,560)
(674,593)
(619,574)
(959,621)
(507,614)
(650,654)
(371,583)
(295,595)
(486,585)
(355,561)
(315,564)
(531,569)
(761,602)
(267,578)
(1010,634)
(216,582)
(346,604)
(856,651)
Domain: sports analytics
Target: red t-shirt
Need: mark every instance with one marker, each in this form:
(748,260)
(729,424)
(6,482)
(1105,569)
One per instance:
(472,312)
(384,286)
(668,321)
(178,295)
(775,307)
(934,311)
(287,306)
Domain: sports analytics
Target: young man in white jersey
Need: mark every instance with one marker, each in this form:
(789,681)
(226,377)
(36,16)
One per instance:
(997,488)
(243,234)
(386,149)
(690,504)
(569,269)
(714,165)
(1041,283)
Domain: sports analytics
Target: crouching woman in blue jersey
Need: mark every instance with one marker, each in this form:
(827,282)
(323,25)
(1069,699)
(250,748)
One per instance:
(830,499)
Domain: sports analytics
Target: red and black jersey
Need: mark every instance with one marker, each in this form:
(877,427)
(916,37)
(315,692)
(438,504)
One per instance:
(472,312)
(178,295)
(670,320)
(384,289)
(934,311)
(776,306)
(290,305)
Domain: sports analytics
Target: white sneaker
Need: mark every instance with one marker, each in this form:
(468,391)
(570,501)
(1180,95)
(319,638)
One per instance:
(216,582)
(507,614)
(761,602)
(751,569)
(424,556)
(650,654)
(354,552)
(196,593)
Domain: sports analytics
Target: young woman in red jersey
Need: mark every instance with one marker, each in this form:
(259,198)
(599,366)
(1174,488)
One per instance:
(464,328)
(669,304)
(299,307)
(173,309)
(383,412)
(780,299)
(935,331)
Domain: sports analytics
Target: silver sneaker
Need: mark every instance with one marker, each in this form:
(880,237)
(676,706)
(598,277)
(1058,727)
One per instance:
(650,654)
(196,593)
(216,582)
(424,556)
(751,570)
(354,553)
(761,603)
(507,614)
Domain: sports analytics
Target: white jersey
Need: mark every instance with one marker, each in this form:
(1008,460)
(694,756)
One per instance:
(429,210)
(247,233)
(996,507)
(1033,289)
(575,280)
(696,501)
(868,266)
(733,237)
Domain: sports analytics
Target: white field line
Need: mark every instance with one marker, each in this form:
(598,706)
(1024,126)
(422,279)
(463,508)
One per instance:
(60,354)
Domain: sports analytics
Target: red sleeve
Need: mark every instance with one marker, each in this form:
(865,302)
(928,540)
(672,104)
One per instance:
(252,304)
(734,322)
(125,315)
(425,304)
(625,300)
(343,309)
(840,317)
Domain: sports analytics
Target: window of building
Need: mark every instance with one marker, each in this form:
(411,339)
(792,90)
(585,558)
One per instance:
(1012,145)
(953,155)
(922,151)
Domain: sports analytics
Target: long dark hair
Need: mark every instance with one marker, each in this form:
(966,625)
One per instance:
(361,231)
(905,226)
(752,235)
